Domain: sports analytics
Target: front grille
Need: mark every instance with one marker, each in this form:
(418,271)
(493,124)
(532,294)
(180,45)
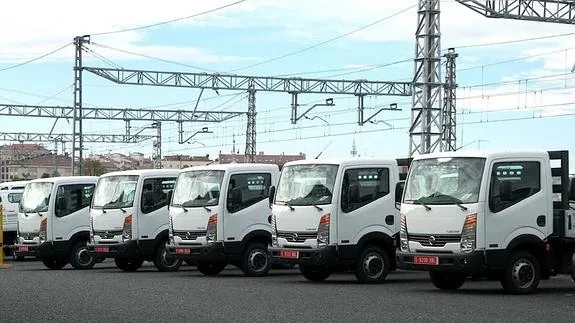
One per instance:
(190,235)
(292,236)
(435,240)
(29,235)
(108,234)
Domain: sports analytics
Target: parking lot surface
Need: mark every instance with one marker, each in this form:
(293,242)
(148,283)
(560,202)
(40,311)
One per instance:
(31,293)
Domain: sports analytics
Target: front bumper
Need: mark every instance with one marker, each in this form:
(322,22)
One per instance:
(211,252)
(325,256)
(25,250)
(127,249)
(473,262)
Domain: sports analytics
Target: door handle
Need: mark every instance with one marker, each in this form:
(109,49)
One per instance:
(541,220)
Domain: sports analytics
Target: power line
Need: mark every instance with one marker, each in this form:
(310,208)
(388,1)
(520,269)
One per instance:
(326,41)
(505,42)
(169,21)
(35,59)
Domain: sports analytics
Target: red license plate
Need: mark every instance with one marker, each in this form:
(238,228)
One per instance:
(23,248)
(426,260)
(182,251)
(292,254)
(101,249)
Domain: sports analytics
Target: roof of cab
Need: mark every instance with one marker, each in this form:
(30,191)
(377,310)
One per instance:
(67,179)
(491,154)
(344,161)
(144,172)
(235,167)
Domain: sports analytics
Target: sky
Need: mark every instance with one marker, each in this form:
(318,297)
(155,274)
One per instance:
(511,94)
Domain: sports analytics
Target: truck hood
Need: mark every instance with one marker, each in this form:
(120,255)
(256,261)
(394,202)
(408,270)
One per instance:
(441,219)
(300,219)
(109,219)
(195,219)
(30,222)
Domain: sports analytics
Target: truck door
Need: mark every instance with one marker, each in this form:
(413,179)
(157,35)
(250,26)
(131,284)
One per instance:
(367,203)
(71,213)
(517,203)
(153,211)
(246,204)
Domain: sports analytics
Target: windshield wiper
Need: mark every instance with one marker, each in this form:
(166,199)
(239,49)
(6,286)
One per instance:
(463,208)
(207,208)
(424,205)
(289,205)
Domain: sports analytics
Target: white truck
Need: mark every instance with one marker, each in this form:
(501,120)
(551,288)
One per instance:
(219,215)
(9,201)
(129,218)
(338,215)
(500,215)
(54,221)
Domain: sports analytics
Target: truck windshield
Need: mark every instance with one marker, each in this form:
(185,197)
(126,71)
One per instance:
(114,192)
(444,180)
(197,188)
(36,197)
(306,184)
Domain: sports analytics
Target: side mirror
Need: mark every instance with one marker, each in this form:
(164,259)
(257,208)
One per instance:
(60,205)
(399,191)
(272,194)
(235,196)
(147,200)
(169,197)
(505,191)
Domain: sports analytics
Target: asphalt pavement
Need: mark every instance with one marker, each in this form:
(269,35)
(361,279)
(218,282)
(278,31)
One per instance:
(31,293)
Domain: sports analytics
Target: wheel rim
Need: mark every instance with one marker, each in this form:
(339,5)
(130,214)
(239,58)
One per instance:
(83,256)
(523,273)
(257,260)
(166,261)
(373,265)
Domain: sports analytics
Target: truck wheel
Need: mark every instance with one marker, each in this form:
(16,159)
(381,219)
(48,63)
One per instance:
(211,268)
(315,273)
(447,280)
(255,262)
(80,258)
(54,263)
(522,274)
(373,265)
(163,262)
(128,264)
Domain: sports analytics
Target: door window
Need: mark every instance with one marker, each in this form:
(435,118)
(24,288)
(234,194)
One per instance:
(245,190)
(72,198)
(362,186)
(513,182)
(155,193)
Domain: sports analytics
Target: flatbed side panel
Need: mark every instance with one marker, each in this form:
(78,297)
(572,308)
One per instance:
(561,190)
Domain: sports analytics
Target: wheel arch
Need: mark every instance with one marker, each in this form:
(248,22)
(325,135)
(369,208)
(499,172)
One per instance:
(382,240)
(532,244)
(259,235)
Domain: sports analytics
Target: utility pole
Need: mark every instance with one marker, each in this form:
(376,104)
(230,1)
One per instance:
(157,157)
(251,127)
(77,142)
(449,102)
(425,134)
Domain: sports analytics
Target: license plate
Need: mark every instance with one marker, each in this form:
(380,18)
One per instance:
(23,248)
(426,260)
(101,249)
(182,251)
(292,254)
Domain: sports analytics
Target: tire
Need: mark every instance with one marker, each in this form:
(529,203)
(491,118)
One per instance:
(315,274)
(522,274)
(373,266)
(162,262)
(211,268)
(54,263)
(256,261)
(80,258)
(448,281)
(128,264)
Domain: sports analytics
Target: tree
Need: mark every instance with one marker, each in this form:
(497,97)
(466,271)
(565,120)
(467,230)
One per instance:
(93,167)
(45,175)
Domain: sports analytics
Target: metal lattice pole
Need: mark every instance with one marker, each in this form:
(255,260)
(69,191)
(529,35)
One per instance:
(426,117)
(449,102)
(77,142)
(158,146)
(251,127)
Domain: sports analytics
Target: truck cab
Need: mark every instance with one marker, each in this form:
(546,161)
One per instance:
(54,221)
(500,215)
(129,218)
(337,215)
(9,201)
(219,215)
